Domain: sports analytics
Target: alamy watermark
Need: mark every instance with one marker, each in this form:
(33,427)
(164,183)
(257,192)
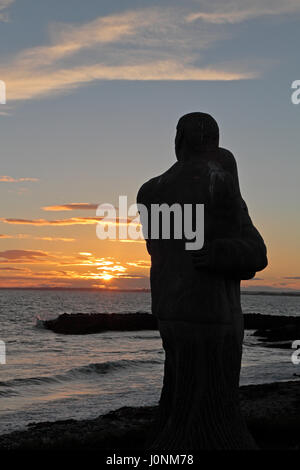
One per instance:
(2,92)
(295,97)
(159,221)
(295,355)
(2,352)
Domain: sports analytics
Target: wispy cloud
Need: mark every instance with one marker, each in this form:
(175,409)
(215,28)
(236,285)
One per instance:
(11,268)
(140,264)
(44,222)
(62,222)
(236,11)
(145,44)
(45,257)
(22,255)
(71,207)
(11,179)
(36,84)
(25,236)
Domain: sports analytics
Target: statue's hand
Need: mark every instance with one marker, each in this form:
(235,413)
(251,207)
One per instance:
(200,258)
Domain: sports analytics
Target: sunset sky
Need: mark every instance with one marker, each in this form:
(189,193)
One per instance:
(94,92)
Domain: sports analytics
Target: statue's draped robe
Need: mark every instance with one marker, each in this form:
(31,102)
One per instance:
(198,310)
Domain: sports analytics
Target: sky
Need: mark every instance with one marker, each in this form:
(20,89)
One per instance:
(93,94)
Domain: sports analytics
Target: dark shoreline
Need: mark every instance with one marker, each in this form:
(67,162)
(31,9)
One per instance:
(272,412)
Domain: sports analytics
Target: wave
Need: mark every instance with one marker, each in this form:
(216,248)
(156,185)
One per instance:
(97,368)
(105,367)
(8,393)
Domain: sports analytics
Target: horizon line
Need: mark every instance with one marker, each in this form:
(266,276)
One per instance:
(291,292)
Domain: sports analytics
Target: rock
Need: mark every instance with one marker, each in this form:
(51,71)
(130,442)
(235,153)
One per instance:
(255,321)
(81,323)
(288,332)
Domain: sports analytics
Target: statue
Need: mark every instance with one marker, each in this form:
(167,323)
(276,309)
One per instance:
(196,295)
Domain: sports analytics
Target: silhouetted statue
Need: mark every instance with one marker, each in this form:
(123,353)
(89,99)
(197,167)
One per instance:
(196,295)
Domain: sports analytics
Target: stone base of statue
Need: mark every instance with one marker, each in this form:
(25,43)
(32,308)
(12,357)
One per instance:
(199,405)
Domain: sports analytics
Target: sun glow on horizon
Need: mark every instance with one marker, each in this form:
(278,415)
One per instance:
(106,277)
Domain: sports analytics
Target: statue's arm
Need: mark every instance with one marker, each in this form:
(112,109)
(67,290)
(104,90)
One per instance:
(244,255)
(240,256)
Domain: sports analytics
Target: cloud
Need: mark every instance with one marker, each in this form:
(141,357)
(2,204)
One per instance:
(52,239)
(146,44)
(140,264)
(63,222)
(39,257)
(45,257)
(10,268)
(30,237)
(237,11)
(69,279)
(40,84)
(72,207)
(22,255)
(87,270)
(44,222)
(292,277)
(10,179)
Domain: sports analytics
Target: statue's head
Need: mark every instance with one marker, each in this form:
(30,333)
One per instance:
(196,132)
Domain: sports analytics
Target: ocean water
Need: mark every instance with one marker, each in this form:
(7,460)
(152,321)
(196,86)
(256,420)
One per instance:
(49,377)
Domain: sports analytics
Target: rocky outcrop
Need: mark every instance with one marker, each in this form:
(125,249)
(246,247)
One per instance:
(254,321)
(267,326)
(278,332)
(287,332)
(81,324)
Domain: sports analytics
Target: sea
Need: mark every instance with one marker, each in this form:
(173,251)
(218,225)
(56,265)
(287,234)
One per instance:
(50,377)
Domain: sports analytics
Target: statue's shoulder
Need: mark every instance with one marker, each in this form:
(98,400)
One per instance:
(145,190)
(227,157)
(152,185)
